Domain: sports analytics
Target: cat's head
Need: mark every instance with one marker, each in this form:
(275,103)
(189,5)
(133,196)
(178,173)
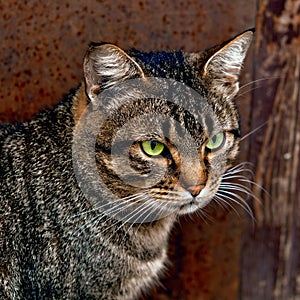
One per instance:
(164,128)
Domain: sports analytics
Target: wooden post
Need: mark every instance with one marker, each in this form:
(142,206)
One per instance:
(271,249)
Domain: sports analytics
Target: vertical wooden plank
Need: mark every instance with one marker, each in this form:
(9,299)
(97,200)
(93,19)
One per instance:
(271,258)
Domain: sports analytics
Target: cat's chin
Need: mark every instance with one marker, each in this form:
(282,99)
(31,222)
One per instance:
(193,206)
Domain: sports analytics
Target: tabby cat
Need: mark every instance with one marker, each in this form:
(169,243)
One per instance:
(90,190)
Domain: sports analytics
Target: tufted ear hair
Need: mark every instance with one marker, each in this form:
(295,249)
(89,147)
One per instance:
(105,65)
(222,69)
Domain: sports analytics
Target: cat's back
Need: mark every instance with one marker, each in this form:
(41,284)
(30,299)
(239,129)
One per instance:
(12,148)
(50,127)
(6,131)
(11,144)
(29,150)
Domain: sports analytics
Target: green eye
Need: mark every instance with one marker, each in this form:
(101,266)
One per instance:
(216,142)
(153,148)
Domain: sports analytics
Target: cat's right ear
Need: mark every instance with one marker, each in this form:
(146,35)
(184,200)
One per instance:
(106,65)
(221,71)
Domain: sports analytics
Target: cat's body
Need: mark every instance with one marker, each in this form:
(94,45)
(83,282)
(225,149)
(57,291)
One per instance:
(53,244)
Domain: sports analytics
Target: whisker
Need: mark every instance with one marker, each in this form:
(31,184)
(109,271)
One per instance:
(104,205)
(253,86)
(129,216)
(84,227)
(237,175)
(144,207)
(120,220)
(146,212)
(165,206)
(115,208)
(254,130)
(87,212)
(138,211)
(241,94)
(234,198)
(235,186)
(259,80)
(239,168)
(240,188)
(241,178)
(205,217)
(254,184)
(224,203)
(169,192)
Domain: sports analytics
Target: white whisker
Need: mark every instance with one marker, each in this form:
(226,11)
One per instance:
(232,197)
(253,85)
(144,208)
(114,209)
(222,202)
(243,179)
(254,130)
(233,182)
(238,186)
(239,168)
(131,197)
(146,212)
(259,80)
(130,217)
(204,216)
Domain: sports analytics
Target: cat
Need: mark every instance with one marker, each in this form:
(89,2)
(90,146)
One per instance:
(90,190)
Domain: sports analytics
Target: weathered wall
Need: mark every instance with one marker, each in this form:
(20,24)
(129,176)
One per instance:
(43,42)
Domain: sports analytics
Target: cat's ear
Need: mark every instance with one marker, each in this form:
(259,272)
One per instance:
(105,65)
(221,71)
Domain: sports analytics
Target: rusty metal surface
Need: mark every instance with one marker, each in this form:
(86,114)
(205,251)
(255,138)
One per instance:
(43,42)
(41,51)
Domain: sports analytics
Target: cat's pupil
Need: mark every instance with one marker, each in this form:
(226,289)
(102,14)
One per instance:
(153,144)
(214,139)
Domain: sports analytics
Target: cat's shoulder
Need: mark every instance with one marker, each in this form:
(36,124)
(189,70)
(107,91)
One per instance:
(8,129)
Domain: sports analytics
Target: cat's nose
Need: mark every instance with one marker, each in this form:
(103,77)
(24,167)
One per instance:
(196,189)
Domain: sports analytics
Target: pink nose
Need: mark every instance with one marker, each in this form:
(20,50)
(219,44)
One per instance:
(195,189)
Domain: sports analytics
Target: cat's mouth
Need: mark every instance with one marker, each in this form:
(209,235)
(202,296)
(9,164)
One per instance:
(193,205)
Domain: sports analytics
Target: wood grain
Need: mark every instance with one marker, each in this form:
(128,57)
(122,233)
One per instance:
(271,256)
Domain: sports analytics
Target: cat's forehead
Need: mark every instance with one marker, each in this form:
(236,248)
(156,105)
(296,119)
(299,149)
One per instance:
(171,127)
(163,64)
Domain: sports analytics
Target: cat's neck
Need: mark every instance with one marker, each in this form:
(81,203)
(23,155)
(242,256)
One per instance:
(155,234)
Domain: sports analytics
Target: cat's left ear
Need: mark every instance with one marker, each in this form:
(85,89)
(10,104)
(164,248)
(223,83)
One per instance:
(221,71)
(106,65)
